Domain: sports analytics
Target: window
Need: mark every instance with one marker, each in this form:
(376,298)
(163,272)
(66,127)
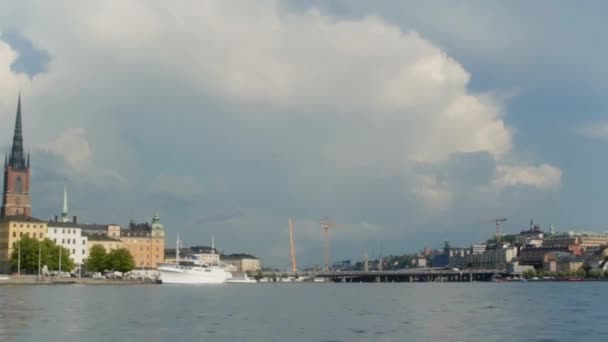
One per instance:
(83,252)
(27,226)
(63,231)
(62,241)
(55,230)
(73,251)
(20,234)
(84,242)
(27,234)
(14,234)
(18,185)
(55,240)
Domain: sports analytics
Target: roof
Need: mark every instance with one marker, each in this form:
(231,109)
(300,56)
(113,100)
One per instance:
(21,218)
(99,237)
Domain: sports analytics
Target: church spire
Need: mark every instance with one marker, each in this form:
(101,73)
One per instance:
(17,157)
(64,211)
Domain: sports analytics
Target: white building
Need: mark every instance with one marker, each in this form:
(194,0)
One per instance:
(68,235)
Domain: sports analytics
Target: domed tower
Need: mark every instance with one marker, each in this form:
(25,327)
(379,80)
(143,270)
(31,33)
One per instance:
(158,229)
(16,196)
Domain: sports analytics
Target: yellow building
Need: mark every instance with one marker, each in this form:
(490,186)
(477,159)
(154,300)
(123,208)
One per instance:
(107,242)
(146,242)
(243,264)
(12,228)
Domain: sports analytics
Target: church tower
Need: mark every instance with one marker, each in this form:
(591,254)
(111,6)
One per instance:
(16,196)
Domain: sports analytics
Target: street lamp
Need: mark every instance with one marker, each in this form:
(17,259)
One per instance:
(39,259)
(19,259)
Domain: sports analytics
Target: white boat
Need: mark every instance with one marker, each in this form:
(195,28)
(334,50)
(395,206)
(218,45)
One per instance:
(193,271)
(242,280)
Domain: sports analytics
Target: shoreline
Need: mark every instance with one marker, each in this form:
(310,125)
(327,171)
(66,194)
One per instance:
(33,280)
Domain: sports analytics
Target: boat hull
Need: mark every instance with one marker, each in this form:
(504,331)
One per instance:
(193,275)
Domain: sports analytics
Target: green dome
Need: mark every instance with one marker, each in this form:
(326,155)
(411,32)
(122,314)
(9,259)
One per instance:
(156,222)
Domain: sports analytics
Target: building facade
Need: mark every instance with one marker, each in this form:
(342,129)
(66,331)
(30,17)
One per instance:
(16,194)
(12,229)
(145,242)
(243,264)
(69,235)
(103,240)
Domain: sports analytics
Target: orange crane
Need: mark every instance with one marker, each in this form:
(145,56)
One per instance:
(292,249)
(325,225)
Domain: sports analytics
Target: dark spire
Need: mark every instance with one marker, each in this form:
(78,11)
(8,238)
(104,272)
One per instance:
(17,157)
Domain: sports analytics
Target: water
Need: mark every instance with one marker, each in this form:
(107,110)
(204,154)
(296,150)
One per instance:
(552,311)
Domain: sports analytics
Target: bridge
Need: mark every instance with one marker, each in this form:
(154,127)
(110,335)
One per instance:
(405,275)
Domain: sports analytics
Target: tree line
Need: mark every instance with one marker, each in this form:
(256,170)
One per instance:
(27,251)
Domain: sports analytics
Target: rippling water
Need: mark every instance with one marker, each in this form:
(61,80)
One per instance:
(307,312)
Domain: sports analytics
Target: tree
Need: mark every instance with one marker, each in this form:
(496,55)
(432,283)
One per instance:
(96,262)
(529,274)
(49,255)
(120,260)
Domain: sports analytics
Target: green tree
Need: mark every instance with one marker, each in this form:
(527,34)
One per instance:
(529,274)
(30,249)
(96,262)
(120,260)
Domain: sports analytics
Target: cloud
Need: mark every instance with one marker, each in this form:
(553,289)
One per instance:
(231,116)
(598,130)
(545,177)
(74,149)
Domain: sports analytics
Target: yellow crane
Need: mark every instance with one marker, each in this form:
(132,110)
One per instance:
(325,225)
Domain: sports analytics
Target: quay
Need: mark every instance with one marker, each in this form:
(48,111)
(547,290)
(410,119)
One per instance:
(34,280)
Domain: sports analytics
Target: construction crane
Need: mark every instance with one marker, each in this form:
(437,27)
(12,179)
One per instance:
(497,222)
(292,249)
(325,225)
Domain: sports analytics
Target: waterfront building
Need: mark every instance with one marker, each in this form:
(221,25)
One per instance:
(69,234)
(12,228)
(490,259)
(536,256)
(16,194)
(243,263)
(562,262)
(478,249)
(146,242)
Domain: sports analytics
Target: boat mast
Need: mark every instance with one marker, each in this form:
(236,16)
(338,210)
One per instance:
(177,250)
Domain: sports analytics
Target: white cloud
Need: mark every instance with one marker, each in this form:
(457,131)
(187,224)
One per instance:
(74,149)
(542,177)
(335,102)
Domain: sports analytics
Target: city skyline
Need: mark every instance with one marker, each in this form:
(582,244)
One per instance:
(406,129)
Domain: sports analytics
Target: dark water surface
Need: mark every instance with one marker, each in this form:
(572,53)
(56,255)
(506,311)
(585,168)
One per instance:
(549,311)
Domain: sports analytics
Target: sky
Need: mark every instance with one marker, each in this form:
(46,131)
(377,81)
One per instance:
(406,123)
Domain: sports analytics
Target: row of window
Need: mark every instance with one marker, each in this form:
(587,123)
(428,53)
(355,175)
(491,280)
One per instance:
(67,241)
(70,231)
(40,235)
(28,226)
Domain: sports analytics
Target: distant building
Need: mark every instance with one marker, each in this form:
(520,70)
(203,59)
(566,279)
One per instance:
(583,240)
(490,259)
(16,195)
(562,262)
(12,229)
(243,263)
(146,242)
(109,243)
(69,235)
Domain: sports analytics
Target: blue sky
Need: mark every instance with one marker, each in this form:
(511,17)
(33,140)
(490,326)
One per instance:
(408,123)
